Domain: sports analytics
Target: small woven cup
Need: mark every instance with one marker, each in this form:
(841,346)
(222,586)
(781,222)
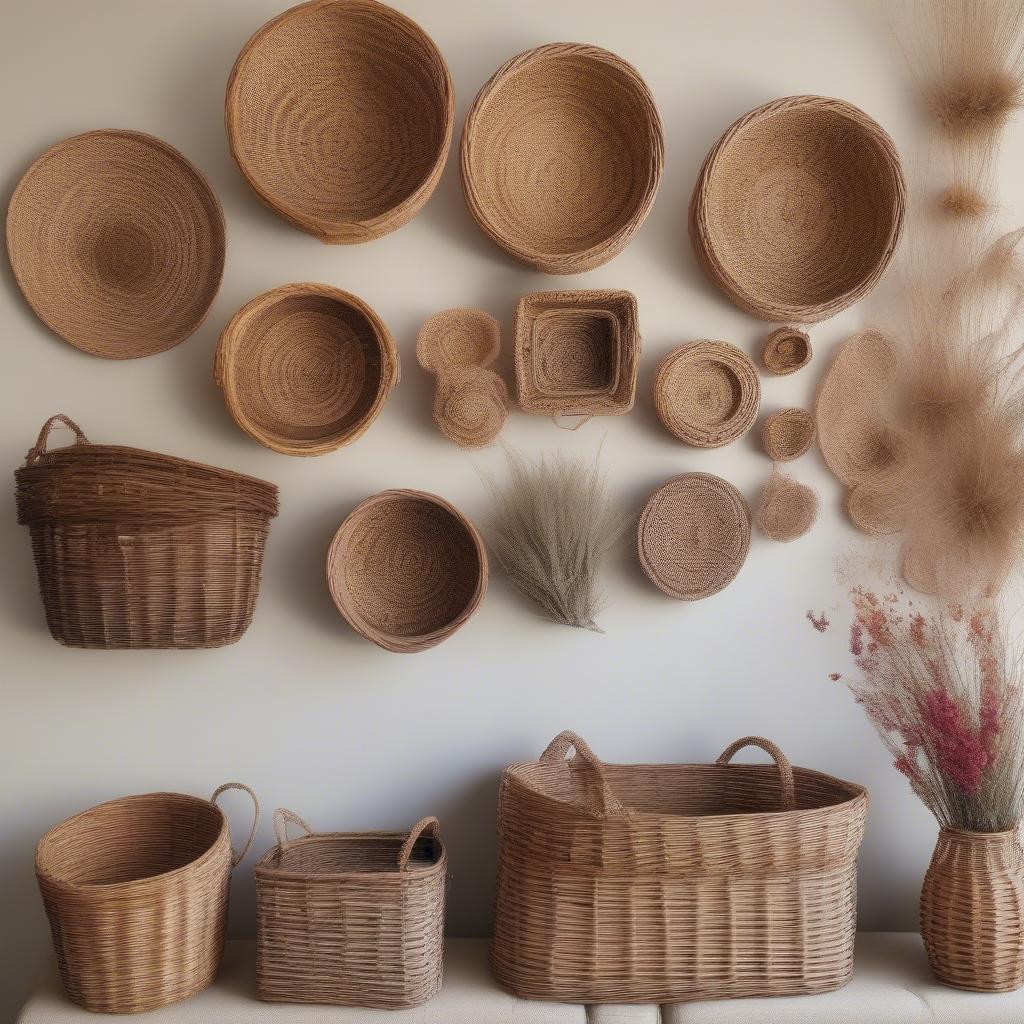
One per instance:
(787,434)
(786,350)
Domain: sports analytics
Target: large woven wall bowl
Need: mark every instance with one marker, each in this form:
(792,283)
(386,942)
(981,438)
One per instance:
(561,156)
(117,243)
(798,209)
(339,114)
(407,569)
(306,368)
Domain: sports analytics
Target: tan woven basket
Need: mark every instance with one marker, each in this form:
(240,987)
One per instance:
(306,368)
(787,434)
(786,350)
(406,570)
(787,509)
(135,549)
(117,243)
(562,155)
(658,883)
(798,209)
(351,918)
(136,891)
(339,114)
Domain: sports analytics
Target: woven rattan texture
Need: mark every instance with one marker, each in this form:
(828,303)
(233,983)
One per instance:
(135,549)
(694,535)
(787,509)
(798,209)
(136,891)
(786,350)
(306,368)
(658,883)
(406,569)
(562,155)
(339,114)
(787,434)
(117,243)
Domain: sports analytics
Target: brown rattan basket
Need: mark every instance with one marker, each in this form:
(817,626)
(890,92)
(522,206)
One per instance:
(798,209)
(117,243)
(787,434)
(339,114)
(786,350)
(306,368)
(351,918)
(562,155)
(659,883)
(135,549)
(406,569)
(136,891)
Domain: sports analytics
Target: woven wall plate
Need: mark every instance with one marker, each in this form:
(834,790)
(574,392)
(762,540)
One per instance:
(694,536)
(798,209)
(786,350)
(787,434)
(339,114)
(562,155)
(406,570)
(707,393)
(306,368)
(117,243)
(458,337)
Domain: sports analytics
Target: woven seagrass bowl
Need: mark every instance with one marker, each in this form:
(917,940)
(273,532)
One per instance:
(561,157)
(339,114)
(787,434)
(798,208)
(306,368)
(786,350)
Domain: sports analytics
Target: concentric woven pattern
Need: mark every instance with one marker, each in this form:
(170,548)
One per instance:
(471,406)
(787,509)
(786,350)
(707,393)
(306,368)
(458,338)
(562,155)
(787,434)
(694,536)
(406,570)
(339,114)
(798,209)
(117,243)
(136,892)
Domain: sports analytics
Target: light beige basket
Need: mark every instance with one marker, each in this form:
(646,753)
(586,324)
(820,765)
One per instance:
(786,350)
(787,509)
(787,434)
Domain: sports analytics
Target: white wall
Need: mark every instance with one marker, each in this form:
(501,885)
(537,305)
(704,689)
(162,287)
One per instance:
(304,711)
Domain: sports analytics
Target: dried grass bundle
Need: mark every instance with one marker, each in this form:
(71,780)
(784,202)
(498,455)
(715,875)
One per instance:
(787,509)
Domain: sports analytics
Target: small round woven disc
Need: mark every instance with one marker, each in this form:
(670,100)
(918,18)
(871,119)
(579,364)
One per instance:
(694,535)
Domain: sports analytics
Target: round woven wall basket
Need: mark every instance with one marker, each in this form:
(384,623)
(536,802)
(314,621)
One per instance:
(707,393)
(798,209)
(787,434)
(786,350)
(406,570)
(562,155)
(339,114)
(117,243)
(306,368)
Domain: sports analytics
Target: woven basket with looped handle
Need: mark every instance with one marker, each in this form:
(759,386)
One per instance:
(136,891)
(659,883)
(562,155)
(798,209)
(786,350)
(787,434)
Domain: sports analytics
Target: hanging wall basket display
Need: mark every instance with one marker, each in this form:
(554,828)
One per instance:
(787,434)
(786,350)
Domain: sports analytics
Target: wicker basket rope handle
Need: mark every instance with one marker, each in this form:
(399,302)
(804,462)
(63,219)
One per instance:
(237,858)
(60,420)
(581,418)
(415,832)
(282,819)
(780,759)
(568,740)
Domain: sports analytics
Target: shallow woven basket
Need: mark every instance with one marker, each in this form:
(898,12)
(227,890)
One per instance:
(660,883)
(694,535)
(135,549)
(339,114)
(351,918)
(786,350)
(136,891)
(406,569)
(707,393)
(306,368)
(458,338)
(562,155)
(798,209)
(787,434)
(787,509)
(117,243)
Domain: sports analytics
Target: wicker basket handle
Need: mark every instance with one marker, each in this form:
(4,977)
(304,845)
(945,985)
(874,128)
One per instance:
(568,740)
(415,832)
(580,417)
(237,858)
(780,759)
(282,819)
(60,420)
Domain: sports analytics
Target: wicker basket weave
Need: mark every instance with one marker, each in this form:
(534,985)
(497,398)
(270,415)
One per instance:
(787,434)
(658,883)
(786,350)
(351,918)
(136,891)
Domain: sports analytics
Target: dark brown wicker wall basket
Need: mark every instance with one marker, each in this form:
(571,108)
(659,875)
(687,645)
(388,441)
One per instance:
(136,891)
(117,243)
(561,157)
(306,368)
(798,209)
(406,570)
(135,549)
(339,114)
(660,883)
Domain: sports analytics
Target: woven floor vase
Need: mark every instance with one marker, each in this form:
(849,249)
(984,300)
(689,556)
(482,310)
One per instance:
(972,910)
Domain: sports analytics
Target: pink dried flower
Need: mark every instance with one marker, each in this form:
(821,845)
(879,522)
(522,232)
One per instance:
(835,676)
(961,755)
(856,639)
(819,622)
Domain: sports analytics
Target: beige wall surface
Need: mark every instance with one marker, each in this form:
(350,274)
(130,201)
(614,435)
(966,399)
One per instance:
(303,710)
